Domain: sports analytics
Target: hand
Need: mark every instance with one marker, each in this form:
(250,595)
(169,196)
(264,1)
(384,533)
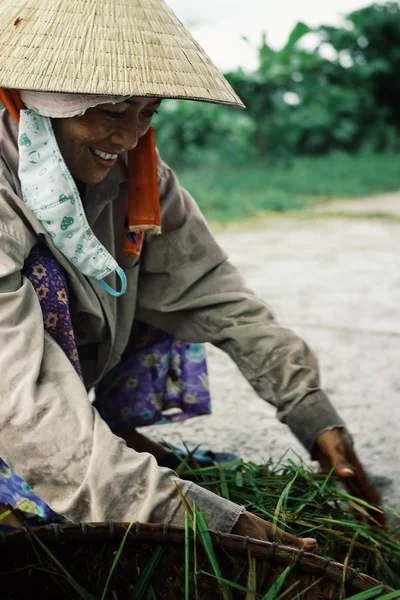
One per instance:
(334,449)
(252,526)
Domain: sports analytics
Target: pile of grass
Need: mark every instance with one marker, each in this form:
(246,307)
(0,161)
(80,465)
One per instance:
(308,504)
(289,495)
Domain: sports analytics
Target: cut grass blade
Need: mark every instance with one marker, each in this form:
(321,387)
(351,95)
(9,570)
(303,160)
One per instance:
(277,586)
(116,561)
(252,579)
(346,563)
(290,589)
(195,565)
(151,595)
(231,584)
(206,541)
(281,502)
(187,557)
(143,583)
(83,594)
(371,594)
(224,486)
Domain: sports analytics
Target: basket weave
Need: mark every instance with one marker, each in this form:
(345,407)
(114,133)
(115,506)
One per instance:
(88,551)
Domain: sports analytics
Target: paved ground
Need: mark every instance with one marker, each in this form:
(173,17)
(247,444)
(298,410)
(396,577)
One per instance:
(336,281)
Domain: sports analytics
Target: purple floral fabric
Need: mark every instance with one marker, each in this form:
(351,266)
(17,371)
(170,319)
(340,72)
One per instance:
(51,286)
(159,379)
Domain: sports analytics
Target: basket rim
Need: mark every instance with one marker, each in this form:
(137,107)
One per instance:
(163,534)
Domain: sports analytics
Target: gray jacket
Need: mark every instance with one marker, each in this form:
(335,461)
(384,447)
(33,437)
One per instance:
(183,283)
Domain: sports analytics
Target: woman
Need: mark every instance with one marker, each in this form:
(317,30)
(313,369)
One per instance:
(80,193)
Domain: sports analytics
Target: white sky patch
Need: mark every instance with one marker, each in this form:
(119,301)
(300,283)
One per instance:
(291,98)
(219,25)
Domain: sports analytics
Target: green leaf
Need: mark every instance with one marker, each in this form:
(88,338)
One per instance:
(368,594)
(232,584)
(187,557)
(209,549)
(276,587)
(252,579)
(283,499)
(84,594)
(116,561)
(299,31)
(143,582)
(5,514)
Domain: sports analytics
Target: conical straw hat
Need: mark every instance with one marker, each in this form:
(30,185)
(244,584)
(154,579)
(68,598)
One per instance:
(117,47)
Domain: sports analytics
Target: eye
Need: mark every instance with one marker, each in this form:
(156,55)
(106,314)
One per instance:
(149,114)
(114,115)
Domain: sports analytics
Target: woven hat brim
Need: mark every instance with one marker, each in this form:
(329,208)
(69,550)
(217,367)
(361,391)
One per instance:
(110,47)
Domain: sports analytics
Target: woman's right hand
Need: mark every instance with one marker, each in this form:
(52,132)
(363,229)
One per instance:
(252,526)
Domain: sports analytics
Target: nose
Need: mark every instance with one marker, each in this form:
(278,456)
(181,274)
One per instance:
(125,136)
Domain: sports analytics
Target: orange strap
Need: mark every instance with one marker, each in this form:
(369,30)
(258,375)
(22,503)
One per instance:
(143,184)
(144,213)
(12,101)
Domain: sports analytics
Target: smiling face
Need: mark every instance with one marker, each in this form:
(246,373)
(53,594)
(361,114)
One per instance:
(91,144)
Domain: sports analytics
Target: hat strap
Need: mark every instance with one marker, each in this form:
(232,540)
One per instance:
(12,101)
(144,212)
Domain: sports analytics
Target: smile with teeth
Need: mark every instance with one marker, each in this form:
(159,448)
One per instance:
(104,155)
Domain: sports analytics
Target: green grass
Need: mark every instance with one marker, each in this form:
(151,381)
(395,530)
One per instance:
(308,504)
(235,193)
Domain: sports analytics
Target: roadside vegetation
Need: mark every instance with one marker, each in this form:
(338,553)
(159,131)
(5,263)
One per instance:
(322,122)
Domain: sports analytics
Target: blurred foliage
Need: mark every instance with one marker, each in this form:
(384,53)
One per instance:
(191,131)
(342,96)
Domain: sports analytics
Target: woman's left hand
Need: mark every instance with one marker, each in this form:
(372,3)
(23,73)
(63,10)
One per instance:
(254,527)
(335,449)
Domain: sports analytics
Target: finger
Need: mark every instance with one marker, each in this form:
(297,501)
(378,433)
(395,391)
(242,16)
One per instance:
(332,452)
(274,534)
(287,539)
(344,470)
(334,449)
(309,544)
(252,526)
(338,460)
(376,514)
(361,481)
(361,487)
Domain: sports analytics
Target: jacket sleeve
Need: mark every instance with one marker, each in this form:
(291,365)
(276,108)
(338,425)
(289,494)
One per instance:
(188,287)
(49,432)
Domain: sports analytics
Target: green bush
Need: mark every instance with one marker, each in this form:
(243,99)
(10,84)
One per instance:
(299,102)
(190,132)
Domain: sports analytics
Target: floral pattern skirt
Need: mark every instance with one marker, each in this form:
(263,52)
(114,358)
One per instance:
(159,379)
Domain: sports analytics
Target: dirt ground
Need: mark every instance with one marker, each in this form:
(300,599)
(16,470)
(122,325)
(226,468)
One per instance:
(336,282)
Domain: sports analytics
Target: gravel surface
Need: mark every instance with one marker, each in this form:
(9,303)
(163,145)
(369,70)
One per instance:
(336,282)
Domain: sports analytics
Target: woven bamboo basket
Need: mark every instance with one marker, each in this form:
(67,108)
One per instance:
(87,552)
